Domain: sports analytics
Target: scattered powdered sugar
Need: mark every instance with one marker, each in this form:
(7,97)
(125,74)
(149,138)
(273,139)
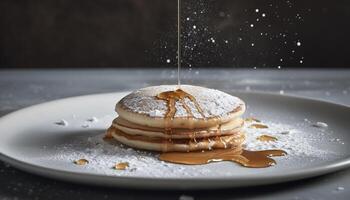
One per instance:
(85,126)
(214,103)
(294,141)
(102,155)
(285,132)
(92,119)
(321,125)
(62,122)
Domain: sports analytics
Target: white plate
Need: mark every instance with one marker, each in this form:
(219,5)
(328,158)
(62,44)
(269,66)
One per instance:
(30,140)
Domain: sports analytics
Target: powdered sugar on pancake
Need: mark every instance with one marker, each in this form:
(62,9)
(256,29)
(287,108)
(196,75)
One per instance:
(214,103)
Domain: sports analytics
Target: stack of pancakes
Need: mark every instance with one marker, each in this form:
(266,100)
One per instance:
(192,119)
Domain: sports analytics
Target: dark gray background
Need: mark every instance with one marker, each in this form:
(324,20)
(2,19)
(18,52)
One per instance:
(134,33)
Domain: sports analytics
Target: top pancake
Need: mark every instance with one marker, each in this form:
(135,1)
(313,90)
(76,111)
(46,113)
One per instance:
(144,108)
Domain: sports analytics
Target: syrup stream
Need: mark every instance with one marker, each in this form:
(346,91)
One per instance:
(178,42)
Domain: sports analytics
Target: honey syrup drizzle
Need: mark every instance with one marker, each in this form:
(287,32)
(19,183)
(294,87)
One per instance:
(121,166)
(171,97)
(108,134)
(178,95)
(258,126)
(251,159)
(267,138)
(81,162)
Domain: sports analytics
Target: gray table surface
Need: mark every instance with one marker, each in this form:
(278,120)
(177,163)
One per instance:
(22,88)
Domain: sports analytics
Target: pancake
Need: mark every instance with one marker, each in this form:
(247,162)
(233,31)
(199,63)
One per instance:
(168,118)
(227,128)
(233,141)
(199,108)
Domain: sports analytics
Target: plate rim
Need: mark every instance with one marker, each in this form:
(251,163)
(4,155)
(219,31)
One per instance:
(172,182)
